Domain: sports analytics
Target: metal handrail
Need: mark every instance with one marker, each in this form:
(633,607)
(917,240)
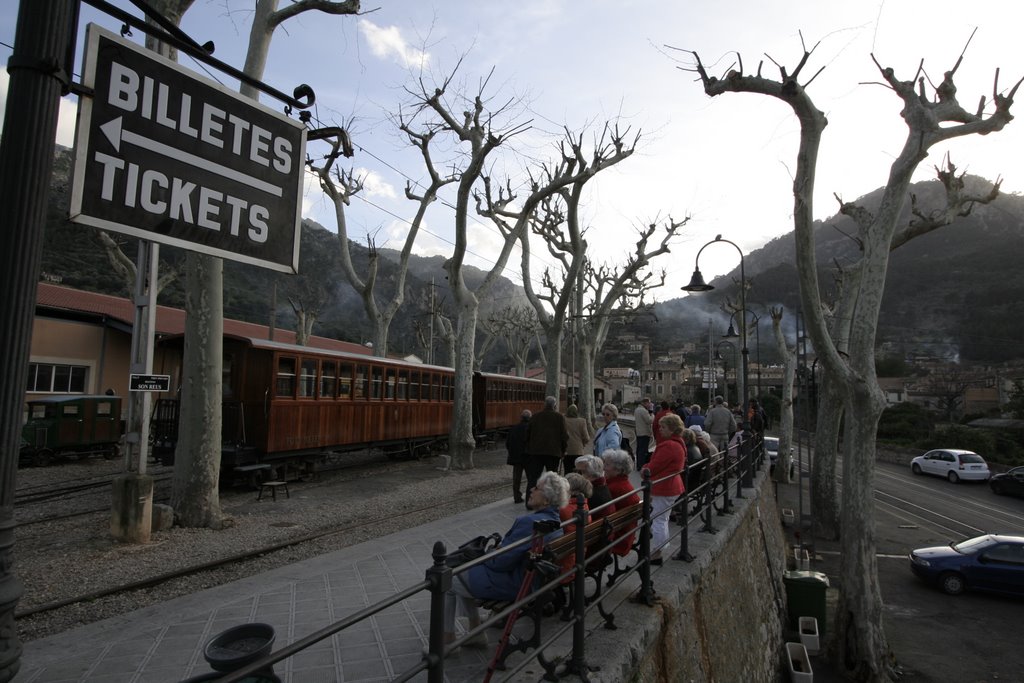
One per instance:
(439,579)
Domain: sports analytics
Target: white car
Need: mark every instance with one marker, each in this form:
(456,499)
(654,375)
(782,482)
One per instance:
(951,463)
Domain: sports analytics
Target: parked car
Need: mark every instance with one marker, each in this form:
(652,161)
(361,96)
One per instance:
(992,563)
(1008,483)
(951,463)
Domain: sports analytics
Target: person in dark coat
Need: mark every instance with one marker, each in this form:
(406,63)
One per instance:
(500,577)
(515,444)
(547,437)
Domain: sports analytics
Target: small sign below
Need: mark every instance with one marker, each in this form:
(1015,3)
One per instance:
(149,383)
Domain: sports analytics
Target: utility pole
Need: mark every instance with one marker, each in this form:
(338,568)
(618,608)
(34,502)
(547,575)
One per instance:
(430,346)
(40,72)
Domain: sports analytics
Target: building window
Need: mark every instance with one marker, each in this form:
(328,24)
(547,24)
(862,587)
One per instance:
(50,378)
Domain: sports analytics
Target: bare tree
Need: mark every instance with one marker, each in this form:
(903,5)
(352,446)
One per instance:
(604,291)
(197,458)
(788,354)
(517,326)
(127,269)
(476,130)
(566,245)
(340,187)
(862,648)
(958,203)
(948,385)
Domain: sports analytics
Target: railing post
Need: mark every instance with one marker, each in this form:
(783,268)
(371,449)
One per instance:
(726,503)
(577,663)
(748,452)
(708,493)
(439,575)
(684,521)
(646,594)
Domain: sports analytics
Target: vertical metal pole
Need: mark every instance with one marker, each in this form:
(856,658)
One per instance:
(646,594)
(440,577)
(577,662)
(38,75)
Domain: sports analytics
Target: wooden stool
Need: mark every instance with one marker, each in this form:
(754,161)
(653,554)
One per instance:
(273,486)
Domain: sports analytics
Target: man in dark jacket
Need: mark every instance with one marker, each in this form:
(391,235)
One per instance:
(546,439)
(515,444)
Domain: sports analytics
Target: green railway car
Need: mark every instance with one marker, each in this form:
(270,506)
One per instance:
(77,425)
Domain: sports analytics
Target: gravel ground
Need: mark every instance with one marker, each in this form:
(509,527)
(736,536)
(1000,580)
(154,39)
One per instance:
(68,558)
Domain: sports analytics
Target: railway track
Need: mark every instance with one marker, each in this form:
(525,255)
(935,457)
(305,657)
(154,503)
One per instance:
(241,558)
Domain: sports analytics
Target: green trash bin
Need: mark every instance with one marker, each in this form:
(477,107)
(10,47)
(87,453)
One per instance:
(805,597)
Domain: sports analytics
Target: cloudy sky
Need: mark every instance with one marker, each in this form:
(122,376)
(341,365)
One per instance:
(725,162)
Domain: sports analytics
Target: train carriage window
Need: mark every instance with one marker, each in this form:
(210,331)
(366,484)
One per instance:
(286,377)
(362,377)
(446,388)
(70,410)
(328,378)
(389,383)
(435,388)
(403,385)
(307,380)
(376,379)
(345,381)
(414,386)
(104,408)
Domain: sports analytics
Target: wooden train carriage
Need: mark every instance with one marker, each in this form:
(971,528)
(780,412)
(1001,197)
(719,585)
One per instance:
(78,424)
(498,400)
(302,399)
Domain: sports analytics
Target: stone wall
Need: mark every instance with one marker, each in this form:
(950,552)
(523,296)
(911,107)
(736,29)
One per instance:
(718,618)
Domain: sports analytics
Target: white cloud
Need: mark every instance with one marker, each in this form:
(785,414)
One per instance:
(374,184)
(65,118)
(388,43)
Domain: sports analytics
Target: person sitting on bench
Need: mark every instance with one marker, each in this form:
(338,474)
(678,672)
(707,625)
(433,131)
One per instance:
(499,578)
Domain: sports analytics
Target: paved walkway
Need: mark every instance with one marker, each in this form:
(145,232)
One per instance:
(164,643)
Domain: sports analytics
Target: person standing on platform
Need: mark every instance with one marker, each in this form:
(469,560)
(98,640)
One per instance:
(580,434)
(667,463)
(720,424)
(515,444)
(608,436)
(643,419)
(546,440)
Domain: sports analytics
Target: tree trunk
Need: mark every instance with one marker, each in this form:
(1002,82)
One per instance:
(824,494)
(195,496)
(586,369)
(863,651)
(786,405)
(553,333)
(461,440)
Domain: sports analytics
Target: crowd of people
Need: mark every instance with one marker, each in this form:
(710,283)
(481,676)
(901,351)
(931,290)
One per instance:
(569,466)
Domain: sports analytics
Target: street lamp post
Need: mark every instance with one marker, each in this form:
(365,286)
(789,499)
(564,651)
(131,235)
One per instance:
(718,356)
(697,284)
(731,334)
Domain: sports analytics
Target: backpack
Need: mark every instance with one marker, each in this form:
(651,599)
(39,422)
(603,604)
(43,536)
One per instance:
(472,549)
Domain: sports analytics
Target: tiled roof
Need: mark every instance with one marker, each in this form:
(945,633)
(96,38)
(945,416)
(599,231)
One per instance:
(169,321)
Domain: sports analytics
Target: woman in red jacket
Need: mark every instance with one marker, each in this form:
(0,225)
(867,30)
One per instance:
(617,466)
(668,461)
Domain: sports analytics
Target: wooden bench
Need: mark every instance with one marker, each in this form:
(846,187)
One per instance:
(273,486)
(599,537)
(253,473)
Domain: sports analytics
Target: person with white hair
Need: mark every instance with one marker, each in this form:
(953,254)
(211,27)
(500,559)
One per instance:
(500,577)
(592,467)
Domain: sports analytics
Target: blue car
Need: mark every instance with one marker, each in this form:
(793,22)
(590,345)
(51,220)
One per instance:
(992,563)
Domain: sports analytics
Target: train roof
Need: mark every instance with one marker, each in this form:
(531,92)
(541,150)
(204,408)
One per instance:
(334,353)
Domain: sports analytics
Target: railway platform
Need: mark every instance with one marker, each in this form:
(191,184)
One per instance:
(164,643)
